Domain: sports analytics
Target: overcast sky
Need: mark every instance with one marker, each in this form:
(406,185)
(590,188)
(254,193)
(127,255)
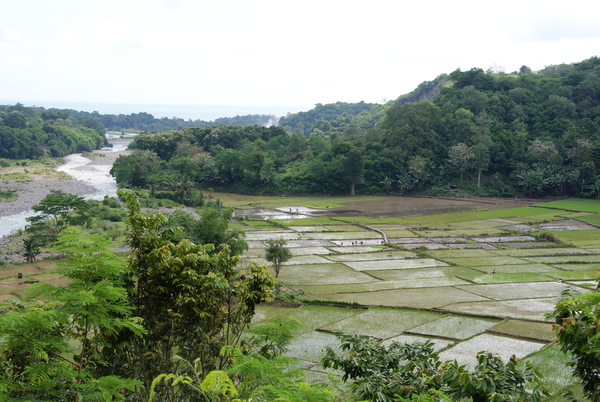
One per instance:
(279,52)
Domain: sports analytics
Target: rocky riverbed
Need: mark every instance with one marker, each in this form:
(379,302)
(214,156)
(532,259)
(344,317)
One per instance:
(32,189)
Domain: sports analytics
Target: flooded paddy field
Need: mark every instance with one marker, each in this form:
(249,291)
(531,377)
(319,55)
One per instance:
(468,275)
(478,278)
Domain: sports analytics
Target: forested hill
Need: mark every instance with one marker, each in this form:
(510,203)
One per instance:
(488,133)
(28,133)
(147,123)
(340,116)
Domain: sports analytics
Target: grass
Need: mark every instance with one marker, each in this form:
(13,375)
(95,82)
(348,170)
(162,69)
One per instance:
(573,204)
(524,329)
(17,176)
(552,364)
(6,195)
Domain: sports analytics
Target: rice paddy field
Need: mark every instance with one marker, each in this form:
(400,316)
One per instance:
(469,275)
(470,281)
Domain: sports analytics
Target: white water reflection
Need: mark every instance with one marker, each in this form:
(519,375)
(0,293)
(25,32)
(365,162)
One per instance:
(96,176)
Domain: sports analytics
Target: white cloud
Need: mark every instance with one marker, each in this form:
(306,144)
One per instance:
(271,52)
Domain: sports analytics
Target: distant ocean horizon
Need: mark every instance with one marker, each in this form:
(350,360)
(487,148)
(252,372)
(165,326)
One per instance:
(186,112)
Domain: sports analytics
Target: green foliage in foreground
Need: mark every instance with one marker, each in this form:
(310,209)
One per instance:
(51,351)
(577,329)
(385,374)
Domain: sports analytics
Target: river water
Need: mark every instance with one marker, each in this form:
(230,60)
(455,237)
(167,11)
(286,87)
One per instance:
(76,166)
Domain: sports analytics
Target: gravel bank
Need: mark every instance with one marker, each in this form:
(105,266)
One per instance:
(31,191)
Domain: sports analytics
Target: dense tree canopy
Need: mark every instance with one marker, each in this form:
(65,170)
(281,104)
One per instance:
(520,133)
(29,133)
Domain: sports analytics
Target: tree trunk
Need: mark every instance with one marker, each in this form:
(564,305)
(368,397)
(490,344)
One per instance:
(352,187)
(479,179)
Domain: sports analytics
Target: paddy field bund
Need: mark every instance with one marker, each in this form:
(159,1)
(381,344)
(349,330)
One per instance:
(468,281)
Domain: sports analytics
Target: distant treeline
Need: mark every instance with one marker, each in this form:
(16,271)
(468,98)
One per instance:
(145,122)
(489,132)
(33,132)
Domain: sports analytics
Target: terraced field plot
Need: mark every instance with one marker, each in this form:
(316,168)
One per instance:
(531,309)
(516,291)
(466,352)
(455,327)
(382,255)
(532,330)
(382,323)
(395,264)
(491,295)
(321,274)
(470,263)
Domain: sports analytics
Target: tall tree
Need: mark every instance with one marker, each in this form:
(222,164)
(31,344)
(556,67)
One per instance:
(277,253)
(191,300)
(54,213)
(461,157)
(353,168)
(481,145)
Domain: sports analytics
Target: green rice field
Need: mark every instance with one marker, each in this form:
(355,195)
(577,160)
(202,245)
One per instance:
(477,279)
(468,281)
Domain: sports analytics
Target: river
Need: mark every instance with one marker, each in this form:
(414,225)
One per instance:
(80,168)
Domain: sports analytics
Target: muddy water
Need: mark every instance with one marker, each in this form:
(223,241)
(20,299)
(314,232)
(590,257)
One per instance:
(390,207)
(409,206)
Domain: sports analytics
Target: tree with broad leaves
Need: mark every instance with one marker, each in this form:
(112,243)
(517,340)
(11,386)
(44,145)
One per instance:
(54,213)
(461,157)
(52,350)
(400,371)
(277,253)
(576,326)
(387,183)
(193,302)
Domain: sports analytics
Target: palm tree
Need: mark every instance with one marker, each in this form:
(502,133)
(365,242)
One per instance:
(387,182)
(182,186)
(406,182)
